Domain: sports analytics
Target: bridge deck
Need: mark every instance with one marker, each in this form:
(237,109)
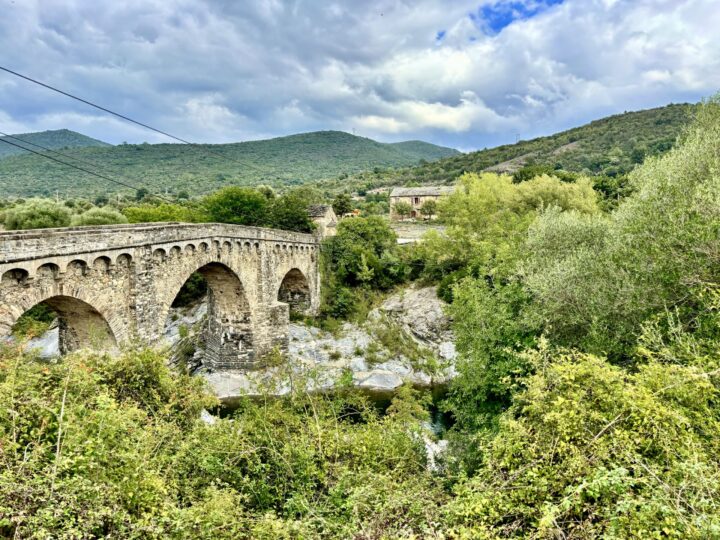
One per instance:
(42,243)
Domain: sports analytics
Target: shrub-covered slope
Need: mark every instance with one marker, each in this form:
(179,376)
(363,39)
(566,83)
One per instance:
(295,159)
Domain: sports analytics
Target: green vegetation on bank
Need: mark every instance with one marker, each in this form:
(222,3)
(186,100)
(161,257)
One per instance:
(176,168)
(96,447)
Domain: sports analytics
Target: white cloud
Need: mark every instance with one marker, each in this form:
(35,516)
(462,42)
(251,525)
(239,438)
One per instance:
(223,71)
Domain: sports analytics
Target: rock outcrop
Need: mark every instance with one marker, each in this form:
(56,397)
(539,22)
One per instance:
(355,355)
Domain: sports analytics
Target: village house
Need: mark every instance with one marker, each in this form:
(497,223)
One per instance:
(416,197)
(324,218)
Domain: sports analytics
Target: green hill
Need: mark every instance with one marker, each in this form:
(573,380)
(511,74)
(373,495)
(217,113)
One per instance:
(57,140)
(611,146)
(422,150)
(291,160)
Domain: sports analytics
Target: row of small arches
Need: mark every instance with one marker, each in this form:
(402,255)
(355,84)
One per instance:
(293,247)
(74,267)
(103,263)
(162,253)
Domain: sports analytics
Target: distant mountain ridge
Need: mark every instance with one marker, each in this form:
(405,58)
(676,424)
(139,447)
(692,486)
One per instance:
(291,160)
(54,139)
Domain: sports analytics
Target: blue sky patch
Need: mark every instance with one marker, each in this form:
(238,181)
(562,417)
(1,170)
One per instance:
(440,35)
(493,18)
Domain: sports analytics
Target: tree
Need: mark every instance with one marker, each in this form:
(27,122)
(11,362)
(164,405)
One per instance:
(290,212)
(266,190)
(429,208)
(99,216)
(37,214)
(402,209)
(364,252)
(342,204)
(141,193)
(238,205)
(101,200)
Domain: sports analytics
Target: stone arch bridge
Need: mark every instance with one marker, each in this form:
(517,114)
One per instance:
(113,285)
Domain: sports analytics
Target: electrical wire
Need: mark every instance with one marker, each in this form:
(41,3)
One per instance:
(69,156)
(128,119)
(104,177)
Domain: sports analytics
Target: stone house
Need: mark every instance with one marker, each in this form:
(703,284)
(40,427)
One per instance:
(324,218)
(416,197)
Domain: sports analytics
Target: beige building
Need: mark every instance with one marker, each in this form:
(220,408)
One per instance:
(416,197)
(324,217)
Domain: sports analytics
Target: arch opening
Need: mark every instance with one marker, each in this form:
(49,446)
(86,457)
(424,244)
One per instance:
(209,320)
(295,291)
(62,324)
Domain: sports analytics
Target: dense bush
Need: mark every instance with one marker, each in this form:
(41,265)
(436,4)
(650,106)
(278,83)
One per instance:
(99,216)
(37,214)
(487,219)
(241,206)
(362,257)
(589,450)
(101,447)
(596,280)
(150,213)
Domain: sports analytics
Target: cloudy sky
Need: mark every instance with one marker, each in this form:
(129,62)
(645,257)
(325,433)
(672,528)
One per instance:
(457,73)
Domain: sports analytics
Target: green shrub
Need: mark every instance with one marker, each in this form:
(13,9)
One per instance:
(37,214)
(95,446)
(590,451)
(99,216)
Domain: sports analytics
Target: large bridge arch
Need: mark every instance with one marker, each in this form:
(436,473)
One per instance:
(227,333)
(80,324)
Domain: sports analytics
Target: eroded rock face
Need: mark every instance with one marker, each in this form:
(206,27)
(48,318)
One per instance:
(421,313)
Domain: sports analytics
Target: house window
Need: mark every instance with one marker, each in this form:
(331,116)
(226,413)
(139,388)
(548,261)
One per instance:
(416,200)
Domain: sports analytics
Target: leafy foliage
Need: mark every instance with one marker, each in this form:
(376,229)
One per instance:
(342,204)
(37,214)
(589,450)
(95,446)
(596,280)
(362,257)
(241,206)
(99,216)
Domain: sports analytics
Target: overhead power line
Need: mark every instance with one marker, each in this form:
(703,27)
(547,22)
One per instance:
(104,177)
(127,118)
(69,156)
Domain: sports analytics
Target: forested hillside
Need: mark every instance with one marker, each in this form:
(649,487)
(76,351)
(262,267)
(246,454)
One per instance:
(610,146)
(175,168)
(55,139)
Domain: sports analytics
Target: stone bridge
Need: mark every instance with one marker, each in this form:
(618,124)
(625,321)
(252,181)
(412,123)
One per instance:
(115,285)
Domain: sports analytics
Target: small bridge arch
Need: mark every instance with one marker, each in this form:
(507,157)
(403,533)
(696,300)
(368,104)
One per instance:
(294,290)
